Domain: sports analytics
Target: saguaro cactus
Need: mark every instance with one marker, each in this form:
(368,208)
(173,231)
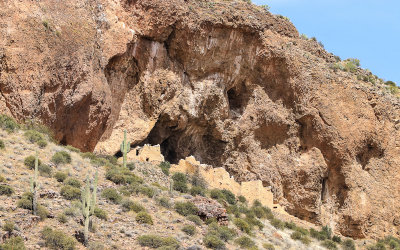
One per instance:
(125,149)
(88,204)
(35,185)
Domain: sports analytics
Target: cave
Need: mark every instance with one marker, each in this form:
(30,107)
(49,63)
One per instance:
(237,99)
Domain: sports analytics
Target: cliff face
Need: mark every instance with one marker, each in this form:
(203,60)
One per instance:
(224,81)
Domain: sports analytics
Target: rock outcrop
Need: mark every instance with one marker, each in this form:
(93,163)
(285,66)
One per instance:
(224,81)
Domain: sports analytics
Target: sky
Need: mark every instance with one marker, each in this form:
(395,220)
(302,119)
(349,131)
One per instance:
(365,29)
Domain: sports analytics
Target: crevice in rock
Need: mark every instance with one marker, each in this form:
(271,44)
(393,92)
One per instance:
(368,151)
(324,189)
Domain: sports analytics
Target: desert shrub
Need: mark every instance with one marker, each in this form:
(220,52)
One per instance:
(9,124)
(71,211)
(242,225)
(198,181)
(348,244)
(277,223)
(165,166)
(223,232)
(242,199)
(233,209)
(70,192)
(120,175)
(13,243)
(61,157)
(179,177)
(111,194)
(329,244)
(6,190)
(129,205)
(195,219)
(8,226)
(196,190)
(2,179)
(253,221)
(60,176)
(208,221)
(245,242)
(42,143)
(261,211)
(148,191)
(189,230)
(42,212)
(72,149)
(303,231)
(319,235)
(180,186)
(62,218)
(164,202)
(73,182)
(33,136)
(216,194)
(144,218)
(186,208)
(30,162)
(213,242)
(2,146)
(337,239)
(55,239)
(45,170)
(229,196)
(327,231)
(155,241)
(100,213)
(290,225)
(268,246)
(26,201)
(305,240)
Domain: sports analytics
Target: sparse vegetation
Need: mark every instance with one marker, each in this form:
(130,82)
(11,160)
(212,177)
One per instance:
(34,136)
(165,166)
(195,219)
(2,146)
(329,244)
(13,243)
(30,162)
(155,241)
(242,225)
(73,182)
(6,190)
(180,182)
(189,230)
(348,244)
(112,195)
(120,175)
(8,124)
(245,242)
(185,208)
(8,226)
(129,205)
(164,202)
(100,213)
(213,242)
(55,239)
(60,176)
(70,192)
(61,157)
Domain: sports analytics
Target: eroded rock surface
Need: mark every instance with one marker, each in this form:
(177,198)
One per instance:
(226,82)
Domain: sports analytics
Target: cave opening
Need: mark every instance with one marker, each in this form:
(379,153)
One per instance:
(324,189)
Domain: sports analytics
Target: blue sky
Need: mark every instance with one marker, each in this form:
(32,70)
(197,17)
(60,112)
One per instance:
(365,29)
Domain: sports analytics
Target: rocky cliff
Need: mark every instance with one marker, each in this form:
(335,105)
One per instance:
(224,81)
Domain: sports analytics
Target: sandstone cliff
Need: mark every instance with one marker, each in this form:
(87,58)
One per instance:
(224,81)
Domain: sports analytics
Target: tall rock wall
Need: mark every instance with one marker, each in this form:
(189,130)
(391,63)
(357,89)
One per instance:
(224,81)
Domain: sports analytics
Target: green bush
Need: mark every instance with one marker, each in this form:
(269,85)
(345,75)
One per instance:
(144,218)
(60,176)
(42,143)
(164,202)
(186,208)
(7,123)
(148,191)
(13,243)
(327,231)
(198,181)
(6,190)
(2,179)
(329,244)
(268,246)
(242,199)
(111,194)
(70,192)
(189,230)
(72,149)
(348,244)
(213,242)
(8,226)
(196,190)
(34,136)
(296,235)
(42,212)
(61,157)
(216,194)
(30,162)
(100,213)
(155,241)
(306,240)
(303,231)
(318,235)
(180,186)
(208,221)
(2,146)
(277,223)
(129,205)
(45,170)
(245,242)
(261,211)
(73,182)
(120,175)
(195,219)
(55,239)
(62,218)
(179,177)
(253,221)
(165,166)
(26,201)
(229,196)
(242,225)
(290,225)
(222,232)
(337,239)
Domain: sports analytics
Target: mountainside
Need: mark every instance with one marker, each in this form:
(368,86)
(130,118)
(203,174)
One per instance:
(224,81)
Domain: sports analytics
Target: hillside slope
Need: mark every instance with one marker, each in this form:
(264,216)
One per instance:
(225,81)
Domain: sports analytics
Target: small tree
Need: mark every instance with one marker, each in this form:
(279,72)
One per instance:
(125,149)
